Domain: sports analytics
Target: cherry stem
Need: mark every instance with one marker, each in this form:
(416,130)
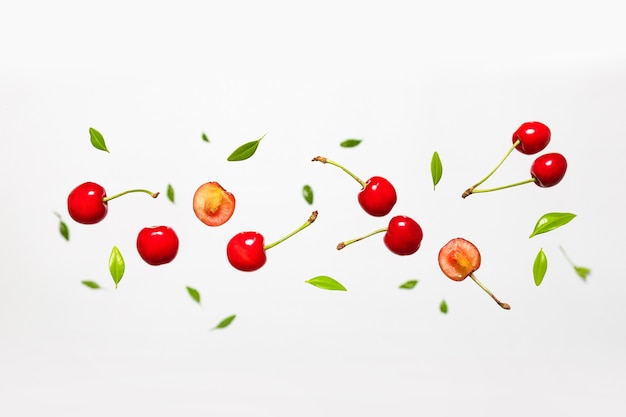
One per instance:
(472,190)
(349,242)
(153,195)
(328,161)
(480,284)
(310,220)
(487,190)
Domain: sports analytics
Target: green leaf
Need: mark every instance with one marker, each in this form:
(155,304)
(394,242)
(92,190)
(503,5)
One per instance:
(307,193)
(350,143)
(436,169)
(205,137)
(170,192)
(326,283)
(540,267)
(582,271)
(91,284)
(116,265)
(225,322)
(409,284)
(63,229)
(97,140)
(193,293)
(245,151)
(551,221)
(443,307)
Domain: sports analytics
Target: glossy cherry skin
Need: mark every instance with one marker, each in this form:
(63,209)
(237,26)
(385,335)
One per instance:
(85,203)
(549,169)
(403,236)
(534,137)
(157,245)
(245,251)
(378,197)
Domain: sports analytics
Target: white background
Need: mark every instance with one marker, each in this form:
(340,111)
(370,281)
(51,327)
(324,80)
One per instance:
(409,78)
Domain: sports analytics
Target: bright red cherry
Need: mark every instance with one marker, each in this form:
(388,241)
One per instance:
(549,169)
(157,245)
(88,203)
(403,236)
(377,196)
(533,137)
(459,259)
(246,250)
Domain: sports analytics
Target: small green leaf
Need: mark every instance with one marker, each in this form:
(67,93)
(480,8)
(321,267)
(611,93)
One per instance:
(245,151)
(326,283)
(540,267)
(97,140)
(307,193)
(409,284)
(580,270)
(63,229)
(170,192)
(91,284)
(350,143)
(205,137)
(116,265)
(226,322)
(436,169)
(443,307)
(551,221)
(193,293)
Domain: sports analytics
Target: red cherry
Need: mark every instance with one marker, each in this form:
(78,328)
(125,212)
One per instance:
(378,197)
(86,204)
(246,252)
(404,235)
(533,137)
(157,245)
(549,169)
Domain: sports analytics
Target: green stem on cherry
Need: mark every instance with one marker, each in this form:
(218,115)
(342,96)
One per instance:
(328,161)
(487,190)
(480,284)
(472,190)
(349,242)
(153,195)
(310,220)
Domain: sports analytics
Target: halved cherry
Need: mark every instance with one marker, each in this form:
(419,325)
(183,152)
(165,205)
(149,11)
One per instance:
(212,204)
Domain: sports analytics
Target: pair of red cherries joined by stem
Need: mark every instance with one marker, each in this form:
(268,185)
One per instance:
(546,171)
(88,203)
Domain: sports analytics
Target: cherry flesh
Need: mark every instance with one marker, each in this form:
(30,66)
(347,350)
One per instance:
(459,259)
(533,137)
(246,251)
(157,245)
(377,196)
(212,204)
(86,204)
(403,236)
(549,169)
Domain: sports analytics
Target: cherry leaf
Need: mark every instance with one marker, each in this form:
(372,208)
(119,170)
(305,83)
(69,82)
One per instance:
(170,192)
(91,284)
(436,169)
(307,193)
(63,229)
(116,265)
(350,143)
(540,266)
(551,221)
(409,284)
(443,307)
(245,151)
(194,294)
(225,322)
(582,271)
(97,140)
(205,137)
(326,283)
